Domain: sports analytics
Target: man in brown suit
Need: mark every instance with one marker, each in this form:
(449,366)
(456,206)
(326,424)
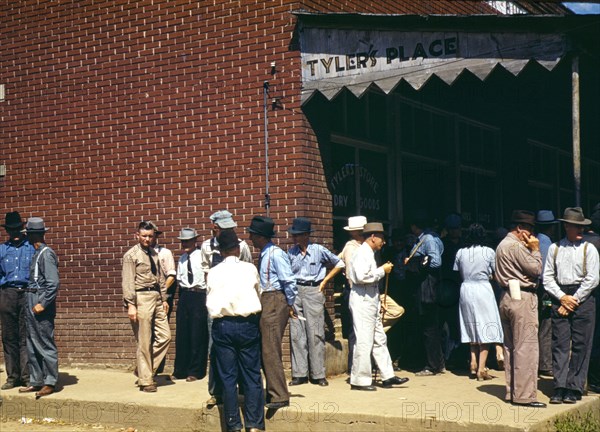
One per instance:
(518,259)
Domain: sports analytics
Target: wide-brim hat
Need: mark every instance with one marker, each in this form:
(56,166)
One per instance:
(223,219)
(356,223)
(523,217)
(545,217)
(13,220)
(574,215)
(35,225)
(300,226)
(156,230)
(373,228)
(227,240)
(187,234)
(262,225)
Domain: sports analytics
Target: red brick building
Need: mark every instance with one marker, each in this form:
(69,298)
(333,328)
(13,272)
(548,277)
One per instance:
(116,111)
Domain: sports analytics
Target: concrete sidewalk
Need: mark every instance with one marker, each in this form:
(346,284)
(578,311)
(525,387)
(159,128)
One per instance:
(447,402)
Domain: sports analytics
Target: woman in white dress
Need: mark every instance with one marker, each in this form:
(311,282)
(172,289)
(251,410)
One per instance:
(479,317)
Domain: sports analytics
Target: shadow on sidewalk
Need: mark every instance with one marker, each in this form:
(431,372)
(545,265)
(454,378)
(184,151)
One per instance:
(65,379)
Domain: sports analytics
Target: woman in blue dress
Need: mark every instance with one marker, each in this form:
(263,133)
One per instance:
(479,317)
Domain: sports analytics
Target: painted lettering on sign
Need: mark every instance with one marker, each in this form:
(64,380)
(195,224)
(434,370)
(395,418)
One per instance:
(396,54)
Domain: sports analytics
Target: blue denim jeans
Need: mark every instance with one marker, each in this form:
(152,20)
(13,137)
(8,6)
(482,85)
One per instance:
(236,344)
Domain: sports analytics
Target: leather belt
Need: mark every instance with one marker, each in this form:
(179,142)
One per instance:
(152,288)
(309,283)
(193,289)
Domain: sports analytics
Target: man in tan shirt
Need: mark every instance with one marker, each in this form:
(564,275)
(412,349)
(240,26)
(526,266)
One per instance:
(144,294)
(518,258)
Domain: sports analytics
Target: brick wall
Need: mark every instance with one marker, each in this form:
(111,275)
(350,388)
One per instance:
(119,111)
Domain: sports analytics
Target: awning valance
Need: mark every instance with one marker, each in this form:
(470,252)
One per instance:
(333,59)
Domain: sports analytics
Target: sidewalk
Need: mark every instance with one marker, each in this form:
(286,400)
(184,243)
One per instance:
(447,402)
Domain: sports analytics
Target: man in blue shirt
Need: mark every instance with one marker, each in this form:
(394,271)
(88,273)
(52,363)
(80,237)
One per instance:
(278,293)
(15,259)
(427,252)
(309,261)
(41,311)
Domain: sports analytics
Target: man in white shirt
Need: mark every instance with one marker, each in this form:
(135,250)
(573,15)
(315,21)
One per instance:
(365,306)
(571,273)
(191,339)
(234,305)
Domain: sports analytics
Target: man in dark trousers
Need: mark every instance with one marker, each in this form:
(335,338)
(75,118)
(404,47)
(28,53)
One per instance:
(571,275)
(191,339)
(233,301)
(15,260)
(41,304)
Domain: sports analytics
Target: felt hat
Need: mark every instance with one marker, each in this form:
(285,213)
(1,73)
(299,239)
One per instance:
(187,234)
(262,225)
(545,217)
(300,226)
(373,228)
(523,216)
(13,220)
(574,215)
(227,239)
(35,225)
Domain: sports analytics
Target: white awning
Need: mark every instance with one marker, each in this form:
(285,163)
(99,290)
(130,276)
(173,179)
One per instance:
(333,59)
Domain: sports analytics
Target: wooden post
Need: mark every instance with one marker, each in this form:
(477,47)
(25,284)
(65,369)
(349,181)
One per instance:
(576,130)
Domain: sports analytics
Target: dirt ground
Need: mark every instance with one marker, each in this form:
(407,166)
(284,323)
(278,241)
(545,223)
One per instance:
(18,426)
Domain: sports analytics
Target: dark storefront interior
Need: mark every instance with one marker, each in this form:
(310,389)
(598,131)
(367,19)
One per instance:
(473,147)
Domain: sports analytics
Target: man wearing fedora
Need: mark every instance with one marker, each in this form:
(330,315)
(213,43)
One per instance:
(571,274)
(278,294)
(41,311)
(518,259)
(355,230)
(191,339)
(233,302)
(365,305)
(15,260)
(309,264)
(545,227)
(145,297)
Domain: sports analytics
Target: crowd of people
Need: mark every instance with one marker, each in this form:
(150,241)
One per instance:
(518,295)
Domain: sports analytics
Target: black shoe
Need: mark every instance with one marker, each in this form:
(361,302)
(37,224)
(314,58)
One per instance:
(277,405)
(557,398)
(569,397)
(8,385)
(594,388)
(298,381)
(363,388)
(320,382)
(545,373)
(530,404)
(388,383)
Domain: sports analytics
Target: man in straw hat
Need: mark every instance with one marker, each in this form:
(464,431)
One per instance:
(519,263)
(41,303)
(309,261)
(145,297)
(15,260)
(191,339)
(278,288)
(545,227)
(571,274)
(365,305)
(355,230)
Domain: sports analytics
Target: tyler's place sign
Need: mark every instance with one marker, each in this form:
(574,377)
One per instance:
(328,53)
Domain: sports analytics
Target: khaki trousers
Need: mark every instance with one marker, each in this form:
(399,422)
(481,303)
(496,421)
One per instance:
(151,319)
(393,312)
(521,347)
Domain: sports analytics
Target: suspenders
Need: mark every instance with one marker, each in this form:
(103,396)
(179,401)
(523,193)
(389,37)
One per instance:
(35,269)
